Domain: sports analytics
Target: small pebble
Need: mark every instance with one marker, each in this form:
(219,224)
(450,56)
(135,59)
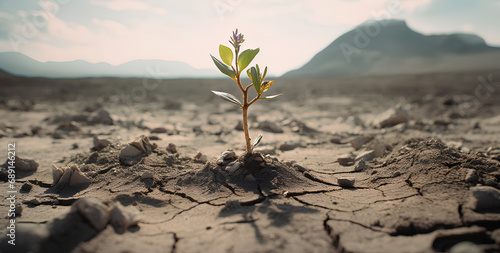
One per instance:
(26,187)
(345,182)
(171,148)
(360,165)
(346,160)
(471,176)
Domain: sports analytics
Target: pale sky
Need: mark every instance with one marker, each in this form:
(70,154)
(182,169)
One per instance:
(289,33)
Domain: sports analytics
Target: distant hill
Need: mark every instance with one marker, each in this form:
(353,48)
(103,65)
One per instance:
(21,65)
(4,74)
(394,48)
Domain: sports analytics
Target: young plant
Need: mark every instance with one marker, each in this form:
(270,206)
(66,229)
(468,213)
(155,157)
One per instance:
(241,61)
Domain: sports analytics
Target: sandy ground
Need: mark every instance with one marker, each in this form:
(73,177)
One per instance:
(351,164)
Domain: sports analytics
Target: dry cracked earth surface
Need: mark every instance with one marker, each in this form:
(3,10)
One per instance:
(351,164)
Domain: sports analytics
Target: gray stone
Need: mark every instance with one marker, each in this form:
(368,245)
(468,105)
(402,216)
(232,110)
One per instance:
(201,158)
(101,117)
(346,160)
(129,151)
(486,198)
(466,247)
(94,211)
(24,164)
(358,142)
(366,156)
(147,175)
(471,176)
(345,182)
(288,146)
(77,177)
(171,148)
(124,217)
(143,144)
(226,157)
(159,130)
(100,143)
(391,117)
(360,165)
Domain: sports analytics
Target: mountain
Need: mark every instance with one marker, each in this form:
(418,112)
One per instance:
(4,74)
(21,65)
(391,47)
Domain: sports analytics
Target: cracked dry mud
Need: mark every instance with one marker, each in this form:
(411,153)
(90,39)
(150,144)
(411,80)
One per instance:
(412,201)
(425,190)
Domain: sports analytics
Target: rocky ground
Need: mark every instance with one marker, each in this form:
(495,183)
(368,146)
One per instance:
(351,164)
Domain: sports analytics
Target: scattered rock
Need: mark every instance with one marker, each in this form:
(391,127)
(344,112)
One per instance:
(101,117)
(154,137)
(239,126)
(391,117)
(100,143)
(226,157)
(360,165)
(77,177)
(26,187)
(71,126)
(129,151)
(269,126)
(171,148)
(94,211)
(24,164)
(143,144)
(346,160)
(147,175)
(485,199)
(124,217)
(345,182)
(471,176)
(336,140)
(200,158)
(289,146)
(358,142)
(159,130)
(466,247)
(71,176)
(366,156)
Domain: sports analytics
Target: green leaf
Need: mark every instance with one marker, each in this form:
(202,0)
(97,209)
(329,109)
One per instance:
(265,73)
(255,78)
(226,54)
(246,57)
(223,68)
(257,141)
(271,97)
(228,97)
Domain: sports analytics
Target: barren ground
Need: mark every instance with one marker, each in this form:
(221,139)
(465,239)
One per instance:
(430,183)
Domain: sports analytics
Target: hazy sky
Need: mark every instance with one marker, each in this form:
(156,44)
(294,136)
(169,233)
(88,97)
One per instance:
(289,33)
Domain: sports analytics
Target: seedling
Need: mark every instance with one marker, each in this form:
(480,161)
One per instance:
(241,61)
